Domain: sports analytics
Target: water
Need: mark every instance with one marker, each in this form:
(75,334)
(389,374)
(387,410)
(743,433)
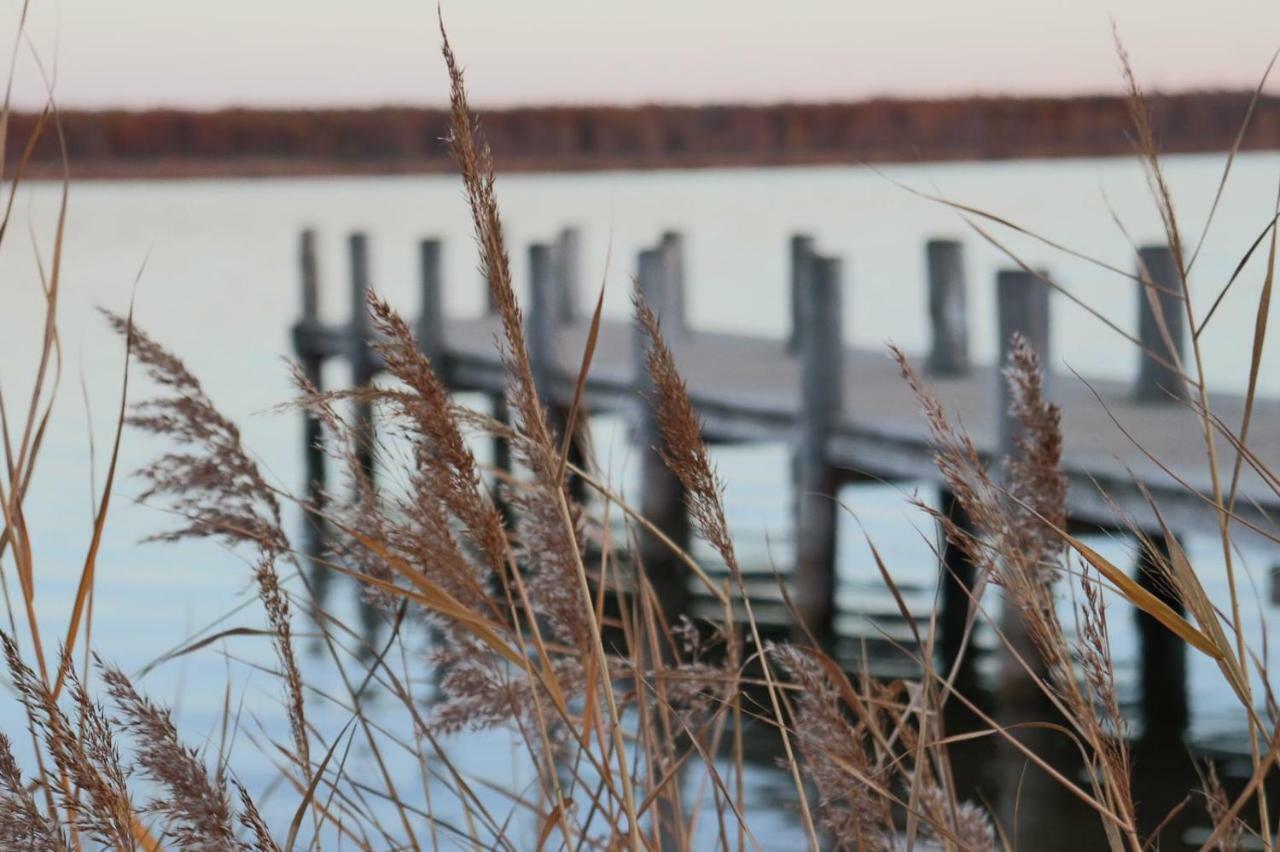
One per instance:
(211,267)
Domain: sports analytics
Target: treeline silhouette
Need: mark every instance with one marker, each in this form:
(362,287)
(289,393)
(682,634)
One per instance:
(411,140)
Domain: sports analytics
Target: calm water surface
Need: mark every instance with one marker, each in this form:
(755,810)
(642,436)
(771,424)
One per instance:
(212,268)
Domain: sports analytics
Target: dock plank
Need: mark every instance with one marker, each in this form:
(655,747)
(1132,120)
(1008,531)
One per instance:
(746,388)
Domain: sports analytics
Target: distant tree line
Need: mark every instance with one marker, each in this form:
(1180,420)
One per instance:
(394,140)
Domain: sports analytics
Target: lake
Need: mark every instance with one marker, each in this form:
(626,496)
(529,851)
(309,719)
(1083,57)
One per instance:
(212,269)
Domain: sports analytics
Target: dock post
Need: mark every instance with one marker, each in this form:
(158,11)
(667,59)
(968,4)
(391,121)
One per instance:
(546,299)
(801,269)
(541,321)
(362,366)
(948,320)
(1163,336)
(500,446)
(949,357)
(1022,304)
(958,577)
(312,362)
(363,369)
(821,362)
(568,273)
(662,497)
(431,317)
(674,305)
(1162,655)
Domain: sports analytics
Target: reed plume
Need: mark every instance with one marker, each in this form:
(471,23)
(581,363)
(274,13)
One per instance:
(96,800)
(211,482)
(1018,542)
(195,807)
(23,825)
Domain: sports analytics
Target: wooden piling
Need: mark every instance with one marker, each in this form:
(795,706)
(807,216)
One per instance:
(541,321)
(568,274)
(1022,303)
(1162,335)
(546,299)
(1162,655)
(949,357)
(662,497)
(431,311)
(501,447)
(363,368)
(801,255)
(1162,324)
(948,319)
(674,304)
(958,576)
(821,359)
(311,361)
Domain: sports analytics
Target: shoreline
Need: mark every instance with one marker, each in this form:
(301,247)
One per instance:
(243,143)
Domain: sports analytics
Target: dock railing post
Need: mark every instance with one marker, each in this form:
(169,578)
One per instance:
(1162,335)
(957,580)
(948,320)
(674,305)
(1161,327)
(801,273)
(363,369)
(547,298)
(949,357)
(431,316)
(541,322)
(501,447)
(1162,655)
(821,362)
(312,362)
(362,366)
(1022,304)
(568,274)
(662,498)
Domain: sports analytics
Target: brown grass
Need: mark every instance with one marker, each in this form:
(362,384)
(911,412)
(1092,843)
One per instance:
(544,624)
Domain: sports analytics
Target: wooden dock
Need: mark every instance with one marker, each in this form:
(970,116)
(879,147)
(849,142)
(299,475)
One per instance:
(846,412)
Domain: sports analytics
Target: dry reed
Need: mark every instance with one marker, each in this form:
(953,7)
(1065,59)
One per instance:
(543,623)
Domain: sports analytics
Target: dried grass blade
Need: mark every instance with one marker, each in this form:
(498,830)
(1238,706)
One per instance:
(192,647)
(99,521)
(310,793)
(1193,594)
(588,353)
(1235,274)
(1255,360)
(1231,157)
(1144,600)
(549,825)
(438,598)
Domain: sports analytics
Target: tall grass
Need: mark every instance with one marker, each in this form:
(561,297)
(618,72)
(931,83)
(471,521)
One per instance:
(544,624)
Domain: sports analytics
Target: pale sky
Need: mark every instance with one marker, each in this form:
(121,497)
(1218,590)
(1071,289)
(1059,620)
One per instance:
(193,53)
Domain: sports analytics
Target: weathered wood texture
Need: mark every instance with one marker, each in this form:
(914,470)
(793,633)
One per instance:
(1162,327)
(821,386)
(312,431)
(948,307)
(662,497)
(431,304)
(747,388)
(363,364)
(567,258)
(1022,308)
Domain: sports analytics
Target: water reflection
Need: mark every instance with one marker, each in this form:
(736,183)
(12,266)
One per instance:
(1038,804)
